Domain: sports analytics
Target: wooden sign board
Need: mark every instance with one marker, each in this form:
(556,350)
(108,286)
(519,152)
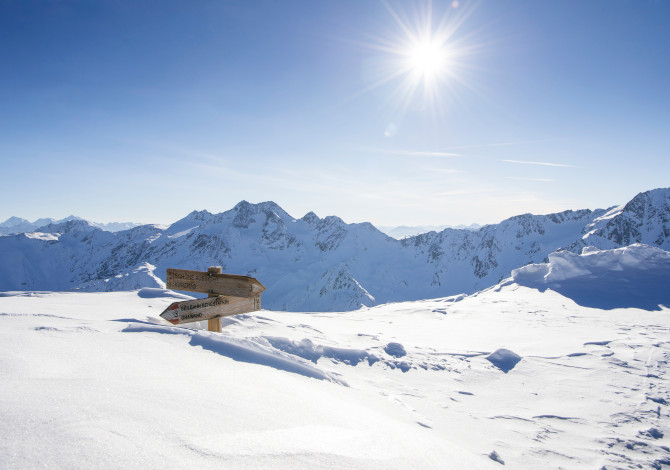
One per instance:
(212,307)
(213,283)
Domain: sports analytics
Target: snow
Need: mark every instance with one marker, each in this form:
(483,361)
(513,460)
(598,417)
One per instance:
(519,373)
(599,223)
(634,276)
(395,349)
(156,292)
(43,236)
(238,349)
(96,380)
(504,359)
(183,233)
(139,278)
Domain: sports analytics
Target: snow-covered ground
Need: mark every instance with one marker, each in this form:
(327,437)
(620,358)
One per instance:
(518,373)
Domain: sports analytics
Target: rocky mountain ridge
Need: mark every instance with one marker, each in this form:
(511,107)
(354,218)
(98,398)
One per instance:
(319,264)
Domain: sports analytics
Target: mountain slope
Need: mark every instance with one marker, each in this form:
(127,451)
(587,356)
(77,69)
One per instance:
(645,219)
(317,263)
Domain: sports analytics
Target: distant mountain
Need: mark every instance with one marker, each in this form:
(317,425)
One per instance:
(403,231)
(319,264)
(15,225)
(115,226)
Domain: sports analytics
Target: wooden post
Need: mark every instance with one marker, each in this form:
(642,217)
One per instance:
(214,324)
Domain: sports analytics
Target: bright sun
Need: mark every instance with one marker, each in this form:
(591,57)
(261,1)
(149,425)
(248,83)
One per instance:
(425,56)
(427,60)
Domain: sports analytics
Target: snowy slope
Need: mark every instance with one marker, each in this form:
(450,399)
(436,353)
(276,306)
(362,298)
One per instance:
(645,219)
(315,263)
(514,374)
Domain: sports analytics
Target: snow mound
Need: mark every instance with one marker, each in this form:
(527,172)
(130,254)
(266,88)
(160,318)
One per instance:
(313,352)
(241,350)
(653,433)
(635,276)
(504,359)
(157,292)
(307,349)
(395,350)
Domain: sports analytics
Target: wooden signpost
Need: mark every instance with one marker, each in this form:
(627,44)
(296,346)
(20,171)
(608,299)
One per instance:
(213,282)
(212,307)
(228,294)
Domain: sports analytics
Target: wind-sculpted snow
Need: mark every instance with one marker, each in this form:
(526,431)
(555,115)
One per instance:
(633,276)
(157,293)
(313,352)
(504,359)
(319,264)
(243,350)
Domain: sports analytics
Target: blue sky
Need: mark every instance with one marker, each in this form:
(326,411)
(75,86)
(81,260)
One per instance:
(143,111)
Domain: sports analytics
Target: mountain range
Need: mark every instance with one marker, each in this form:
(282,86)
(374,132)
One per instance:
(319,264)
(15,225)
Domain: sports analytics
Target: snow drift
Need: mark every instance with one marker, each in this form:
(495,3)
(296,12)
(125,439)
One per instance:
(634,276)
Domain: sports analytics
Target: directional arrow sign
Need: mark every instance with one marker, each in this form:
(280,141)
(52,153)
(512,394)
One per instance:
(213,283)
(204,309)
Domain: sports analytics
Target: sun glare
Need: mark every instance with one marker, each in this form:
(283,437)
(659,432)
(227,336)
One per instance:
(424,55)
(427,60)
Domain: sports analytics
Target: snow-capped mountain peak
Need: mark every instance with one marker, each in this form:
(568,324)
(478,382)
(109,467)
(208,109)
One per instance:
(13,222)
(310,218)
(644,219)
(69,226)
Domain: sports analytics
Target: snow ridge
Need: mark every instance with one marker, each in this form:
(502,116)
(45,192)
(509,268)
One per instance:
(634,276)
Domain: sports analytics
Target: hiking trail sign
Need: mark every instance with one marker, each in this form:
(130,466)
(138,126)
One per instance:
(228,294)
(213,282)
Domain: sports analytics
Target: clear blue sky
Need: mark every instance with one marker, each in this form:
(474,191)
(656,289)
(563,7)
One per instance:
(145,110)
